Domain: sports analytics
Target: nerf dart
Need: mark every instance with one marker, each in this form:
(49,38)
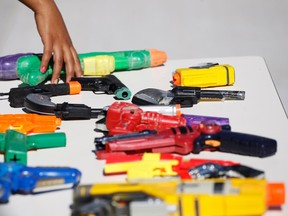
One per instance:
(185,96)
(207,197)
(15,178)
(29,123)
(93,64)
(15,145)
(184,140)
(16,96)
(151,165)
(206,75)
(108,84)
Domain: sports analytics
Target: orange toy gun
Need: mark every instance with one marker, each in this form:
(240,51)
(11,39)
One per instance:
(29,123)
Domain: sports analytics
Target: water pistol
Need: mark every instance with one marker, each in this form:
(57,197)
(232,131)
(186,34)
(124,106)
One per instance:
(149,165)
(124,117)
(183,95)
(204,75)
(16,178)
(208,197)
(26,66)
(17,95)
(29,123)
(109,84)
(15,145)
(183,140)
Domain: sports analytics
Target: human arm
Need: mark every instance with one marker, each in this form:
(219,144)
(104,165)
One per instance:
(55,38)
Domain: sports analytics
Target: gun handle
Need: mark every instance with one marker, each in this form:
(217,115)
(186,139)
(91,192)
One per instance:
(237,143)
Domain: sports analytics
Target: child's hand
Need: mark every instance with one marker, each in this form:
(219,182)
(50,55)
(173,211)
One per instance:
(55,38)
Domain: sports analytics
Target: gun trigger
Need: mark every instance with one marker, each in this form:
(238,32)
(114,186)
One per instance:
(101,124)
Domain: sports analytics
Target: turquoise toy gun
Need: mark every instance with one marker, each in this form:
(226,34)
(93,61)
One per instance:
(26,67)
(15,145)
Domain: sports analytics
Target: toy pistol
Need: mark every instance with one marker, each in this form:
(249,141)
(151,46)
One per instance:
(16,96)
(26,66)
(15,145)
(29,123)
(109,84)
(15,178)
(151,165)
(183,95)
(124,117)
(184,140)
(209,197)
(204,75)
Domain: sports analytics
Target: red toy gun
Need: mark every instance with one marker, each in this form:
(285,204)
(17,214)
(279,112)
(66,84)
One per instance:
(184,140)
(125,117)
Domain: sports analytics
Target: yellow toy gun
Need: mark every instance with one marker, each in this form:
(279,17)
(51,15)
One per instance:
(208,197)
(207,75)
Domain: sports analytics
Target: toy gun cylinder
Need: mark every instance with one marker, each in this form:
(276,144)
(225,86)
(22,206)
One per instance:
(17,95)
(49,140)
(93,64)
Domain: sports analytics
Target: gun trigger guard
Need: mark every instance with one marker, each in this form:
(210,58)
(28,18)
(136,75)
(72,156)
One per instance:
(39,103)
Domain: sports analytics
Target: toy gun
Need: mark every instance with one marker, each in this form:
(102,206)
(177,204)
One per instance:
(108,84)
(204,75)
(123,117)
(16,96)
(26,67)
(29,123)
(15,178)
(183,95)
(183,140)
(151,165)
(209,197)
(15,145)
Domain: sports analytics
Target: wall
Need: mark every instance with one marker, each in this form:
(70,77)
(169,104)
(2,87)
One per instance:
(184,28)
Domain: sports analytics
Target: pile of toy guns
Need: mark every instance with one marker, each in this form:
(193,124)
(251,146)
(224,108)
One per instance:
(145,139)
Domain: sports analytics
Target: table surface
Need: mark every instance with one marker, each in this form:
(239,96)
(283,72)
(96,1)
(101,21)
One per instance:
(261,113)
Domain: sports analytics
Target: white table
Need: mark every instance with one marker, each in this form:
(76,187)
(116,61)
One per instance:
(261,113)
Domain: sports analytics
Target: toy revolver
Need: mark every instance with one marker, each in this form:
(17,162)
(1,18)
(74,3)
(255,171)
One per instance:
(151,165)
(109,84)
(183,140)
(15,145)
(29,123)
(207,197)
(183,95)
(15,178)
(26,66)
(124,117)
(204,75)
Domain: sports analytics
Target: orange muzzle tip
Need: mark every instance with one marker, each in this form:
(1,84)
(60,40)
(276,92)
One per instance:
(275,194)
(75,87)
(176,79)
(158,57)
